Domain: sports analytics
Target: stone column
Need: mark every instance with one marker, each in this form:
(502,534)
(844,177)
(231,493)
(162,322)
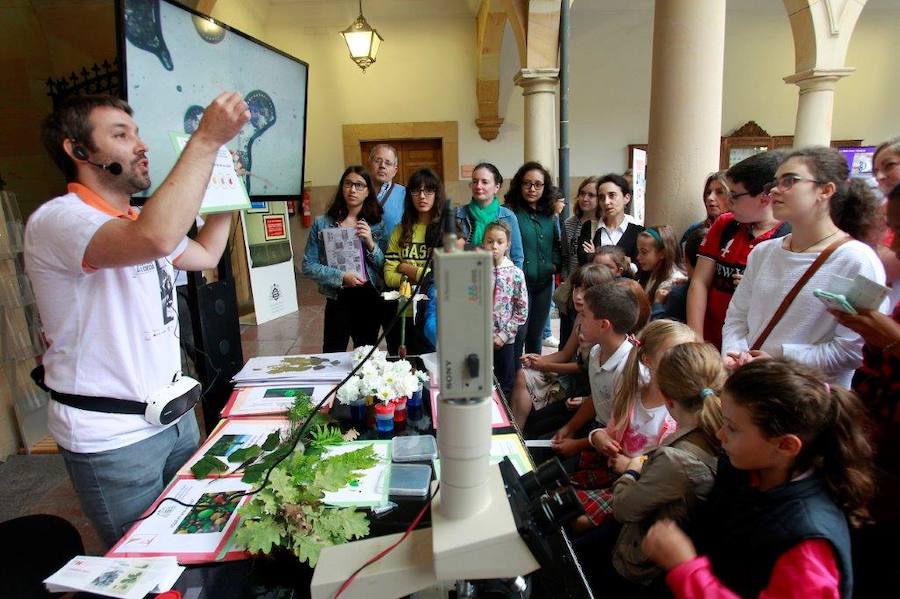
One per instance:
(539,87)
(685,108)
(815,105)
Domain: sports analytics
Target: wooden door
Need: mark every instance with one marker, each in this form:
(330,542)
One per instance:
(414,154)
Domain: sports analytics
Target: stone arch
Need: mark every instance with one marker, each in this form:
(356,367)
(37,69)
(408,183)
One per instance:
(822,30)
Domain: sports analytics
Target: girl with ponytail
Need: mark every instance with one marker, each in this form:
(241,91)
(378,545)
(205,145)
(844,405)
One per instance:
(811,188)
(676,477)
(798,468)
(638,423)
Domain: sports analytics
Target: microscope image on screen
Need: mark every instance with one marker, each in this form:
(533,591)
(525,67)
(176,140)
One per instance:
(177,61)
(143,29)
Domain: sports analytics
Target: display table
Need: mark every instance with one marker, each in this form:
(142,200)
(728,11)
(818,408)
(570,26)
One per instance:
(281,575)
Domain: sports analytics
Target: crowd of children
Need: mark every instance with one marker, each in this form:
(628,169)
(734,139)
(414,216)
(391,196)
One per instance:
(700,398)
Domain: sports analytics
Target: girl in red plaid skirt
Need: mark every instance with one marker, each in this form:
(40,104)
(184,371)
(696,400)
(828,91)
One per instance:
(639,421)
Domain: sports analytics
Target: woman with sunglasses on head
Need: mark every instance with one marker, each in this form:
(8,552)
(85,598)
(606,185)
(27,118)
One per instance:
(473,218)
(762,320)
(586,214)
(408,251)
(715,200)
(351,299)
(531,199)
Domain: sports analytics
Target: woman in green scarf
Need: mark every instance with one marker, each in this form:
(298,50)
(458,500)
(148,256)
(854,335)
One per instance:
(485,208)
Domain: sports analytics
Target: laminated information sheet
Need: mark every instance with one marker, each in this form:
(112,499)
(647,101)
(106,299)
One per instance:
(127,578)
(373,485)
(193,535)
(230,437)
(271,400)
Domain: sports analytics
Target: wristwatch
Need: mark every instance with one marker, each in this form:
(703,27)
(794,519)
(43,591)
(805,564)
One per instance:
(634,474)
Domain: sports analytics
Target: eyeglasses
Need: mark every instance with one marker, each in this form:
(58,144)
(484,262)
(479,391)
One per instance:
(785,182)
(423,192)
(587,194)
(383,162)
(533,185)
(737,196)
(355,185)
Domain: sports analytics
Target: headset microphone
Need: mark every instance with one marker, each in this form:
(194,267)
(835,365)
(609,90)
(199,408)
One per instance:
(81,153)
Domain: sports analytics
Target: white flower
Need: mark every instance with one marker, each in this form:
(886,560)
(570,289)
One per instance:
(349,391)
(369,369)
(422,376)
(359,353)
(371,384)
(385,394)
(408,384)
(400,367)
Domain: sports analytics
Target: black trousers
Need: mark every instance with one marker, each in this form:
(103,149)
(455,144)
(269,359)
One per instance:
(505,367)
(353,315)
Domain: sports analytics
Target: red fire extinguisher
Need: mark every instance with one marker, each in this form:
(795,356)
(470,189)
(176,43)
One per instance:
(307,209)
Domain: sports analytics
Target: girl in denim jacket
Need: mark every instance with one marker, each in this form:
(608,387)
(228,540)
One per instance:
(351,299)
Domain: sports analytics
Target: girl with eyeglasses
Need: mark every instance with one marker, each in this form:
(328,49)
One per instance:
(350,297)
(408,250)
(484,208)
(531,199)
(586,214)
(810,186)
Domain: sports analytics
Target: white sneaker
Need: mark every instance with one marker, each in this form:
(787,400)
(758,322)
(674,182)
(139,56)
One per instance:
(551,341)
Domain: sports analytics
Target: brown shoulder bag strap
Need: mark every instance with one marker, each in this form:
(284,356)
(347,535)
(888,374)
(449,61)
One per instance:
(795,290)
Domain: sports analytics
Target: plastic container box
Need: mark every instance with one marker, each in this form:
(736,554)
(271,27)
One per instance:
(410,480)
(421,448)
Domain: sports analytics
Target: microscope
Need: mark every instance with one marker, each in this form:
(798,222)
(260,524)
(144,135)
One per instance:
(487,522)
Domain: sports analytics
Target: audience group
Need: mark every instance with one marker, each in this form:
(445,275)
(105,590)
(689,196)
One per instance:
(717,420)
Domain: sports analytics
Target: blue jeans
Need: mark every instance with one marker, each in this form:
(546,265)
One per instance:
(115,487)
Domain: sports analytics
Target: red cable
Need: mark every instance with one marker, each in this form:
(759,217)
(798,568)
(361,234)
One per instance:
(387,550)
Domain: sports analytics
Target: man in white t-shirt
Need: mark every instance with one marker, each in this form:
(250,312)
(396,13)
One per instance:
(103,278)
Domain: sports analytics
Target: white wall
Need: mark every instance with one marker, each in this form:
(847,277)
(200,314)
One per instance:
(427,66)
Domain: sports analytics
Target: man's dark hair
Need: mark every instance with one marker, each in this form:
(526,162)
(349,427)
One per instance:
(757,170)
(615,304)
(71,120)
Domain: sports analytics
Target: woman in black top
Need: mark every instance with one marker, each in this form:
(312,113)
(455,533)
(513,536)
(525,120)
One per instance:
(616,227)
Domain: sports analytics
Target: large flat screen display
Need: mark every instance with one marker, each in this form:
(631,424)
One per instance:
(176,61)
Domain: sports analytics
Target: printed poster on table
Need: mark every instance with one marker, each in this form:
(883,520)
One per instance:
(194,535)
(267,401)
(230,437)
(225,190)
(267,239)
